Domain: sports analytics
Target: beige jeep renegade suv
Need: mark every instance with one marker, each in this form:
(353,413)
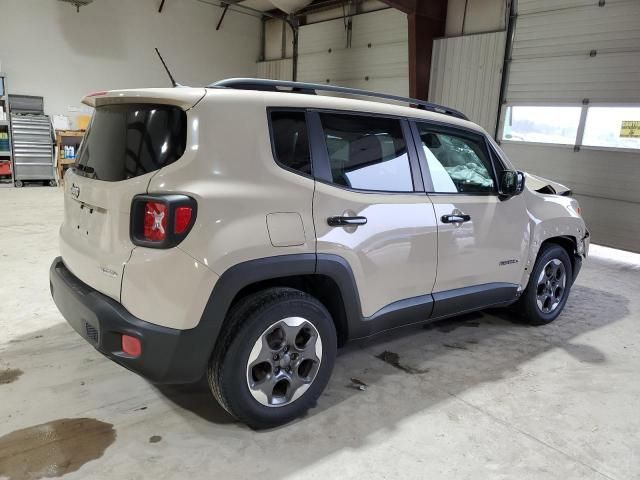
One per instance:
(246,230)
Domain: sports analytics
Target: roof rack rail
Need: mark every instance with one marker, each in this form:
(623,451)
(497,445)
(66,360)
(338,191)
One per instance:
(311,89)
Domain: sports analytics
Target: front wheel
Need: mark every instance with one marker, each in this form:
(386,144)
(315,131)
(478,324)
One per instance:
(548,288)
(274,358)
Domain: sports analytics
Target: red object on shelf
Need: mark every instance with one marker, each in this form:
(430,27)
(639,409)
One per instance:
(5,167)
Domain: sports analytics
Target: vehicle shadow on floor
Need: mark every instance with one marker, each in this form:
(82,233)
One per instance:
(444,358)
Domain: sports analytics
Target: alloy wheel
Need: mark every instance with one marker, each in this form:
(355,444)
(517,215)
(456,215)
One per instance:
(551,286)
(284,362)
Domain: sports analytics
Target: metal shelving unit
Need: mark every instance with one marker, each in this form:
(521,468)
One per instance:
(6,163)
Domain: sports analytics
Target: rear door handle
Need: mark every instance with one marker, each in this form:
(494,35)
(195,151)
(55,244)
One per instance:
(459,218)
(346,221)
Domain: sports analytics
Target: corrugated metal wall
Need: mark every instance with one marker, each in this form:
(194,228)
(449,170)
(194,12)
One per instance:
(566,51)
(465,74)
(376,60)
(276,69)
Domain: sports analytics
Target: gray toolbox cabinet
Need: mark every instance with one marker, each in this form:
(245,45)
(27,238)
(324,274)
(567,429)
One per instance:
(32,136)
(33,156)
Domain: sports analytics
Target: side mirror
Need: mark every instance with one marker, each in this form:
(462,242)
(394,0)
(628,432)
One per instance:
(511,183)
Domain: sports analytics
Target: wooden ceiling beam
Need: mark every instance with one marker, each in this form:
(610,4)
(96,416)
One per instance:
(426,8)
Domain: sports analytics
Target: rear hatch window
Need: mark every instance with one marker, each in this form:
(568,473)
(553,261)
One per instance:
(128,140)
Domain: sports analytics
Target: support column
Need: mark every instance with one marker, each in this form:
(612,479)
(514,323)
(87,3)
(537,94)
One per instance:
(422,32)
(426,20)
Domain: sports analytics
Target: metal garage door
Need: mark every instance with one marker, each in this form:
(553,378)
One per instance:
(377,58)
(578,62)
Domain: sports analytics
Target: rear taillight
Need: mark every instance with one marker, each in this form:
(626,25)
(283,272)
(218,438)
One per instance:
(155,221)
(161,221)
(182,219)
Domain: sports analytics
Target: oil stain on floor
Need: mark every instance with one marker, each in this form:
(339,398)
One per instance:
(8,375)
(393,359)
(53,449)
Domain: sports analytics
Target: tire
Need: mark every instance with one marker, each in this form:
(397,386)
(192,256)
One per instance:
(19,183)
(251,373)
(53,183)
(549,285)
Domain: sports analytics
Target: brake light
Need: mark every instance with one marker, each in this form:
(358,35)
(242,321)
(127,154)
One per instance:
(155,221)
(182,219)
(161,221)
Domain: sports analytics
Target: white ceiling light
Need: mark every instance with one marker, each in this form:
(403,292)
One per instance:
(290,6)
(77,3)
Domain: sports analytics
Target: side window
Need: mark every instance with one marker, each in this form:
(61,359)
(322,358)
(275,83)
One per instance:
(290,140)
(456,162)
(367,153)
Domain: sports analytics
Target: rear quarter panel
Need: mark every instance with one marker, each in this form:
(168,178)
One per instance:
(231,172)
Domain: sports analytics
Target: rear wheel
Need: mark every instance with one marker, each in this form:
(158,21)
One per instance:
(548,288)
(274,358)
(19,183)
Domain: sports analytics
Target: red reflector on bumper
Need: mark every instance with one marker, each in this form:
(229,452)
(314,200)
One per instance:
(131,346)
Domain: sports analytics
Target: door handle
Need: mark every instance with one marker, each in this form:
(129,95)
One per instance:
(458,218)
(346,221)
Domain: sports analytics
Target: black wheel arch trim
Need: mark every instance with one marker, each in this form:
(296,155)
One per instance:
(401,313)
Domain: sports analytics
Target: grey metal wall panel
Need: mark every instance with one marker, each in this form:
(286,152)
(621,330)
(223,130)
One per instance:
(380,28)
(320,37)
(552,52)
(578,31)
(605,183)
(354,64)
(466,73)
(611,77)
(534,6)
(611,222)
(553,64)
(377,60)
(591,172)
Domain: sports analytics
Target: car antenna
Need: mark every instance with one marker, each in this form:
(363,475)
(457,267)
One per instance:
(173,81)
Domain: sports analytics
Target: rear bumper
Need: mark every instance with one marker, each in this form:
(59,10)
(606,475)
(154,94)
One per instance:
(168,355)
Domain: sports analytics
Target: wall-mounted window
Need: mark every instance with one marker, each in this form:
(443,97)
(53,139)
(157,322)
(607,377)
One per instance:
(602,126)
(615,127)
(557,125)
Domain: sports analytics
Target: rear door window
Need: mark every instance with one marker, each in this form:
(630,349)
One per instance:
(129,140)
(367,153)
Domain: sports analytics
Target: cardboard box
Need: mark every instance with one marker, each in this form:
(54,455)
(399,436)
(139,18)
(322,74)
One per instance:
(82,122)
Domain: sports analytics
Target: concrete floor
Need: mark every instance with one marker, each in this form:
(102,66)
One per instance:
(482,397)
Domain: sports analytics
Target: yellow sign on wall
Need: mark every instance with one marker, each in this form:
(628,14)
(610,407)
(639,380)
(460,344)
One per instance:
(630,129)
